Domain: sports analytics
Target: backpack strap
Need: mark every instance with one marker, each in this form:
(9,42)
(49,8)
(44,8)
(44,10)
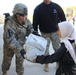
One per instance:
(6,15)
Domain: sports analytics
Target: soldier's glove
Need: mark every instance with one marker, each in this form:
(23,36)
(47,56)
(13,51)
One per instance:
(23,53)
(35,33)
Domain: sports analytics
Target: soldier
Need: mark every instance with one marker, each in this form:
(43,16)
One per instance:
(16,28)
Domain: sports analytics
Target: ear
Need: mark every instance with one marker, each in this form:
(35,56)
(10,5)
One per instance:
(59,33)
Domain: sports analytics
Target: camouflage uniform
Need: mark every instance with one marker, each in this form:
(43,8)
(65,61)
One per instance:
(14,39)
(51,37)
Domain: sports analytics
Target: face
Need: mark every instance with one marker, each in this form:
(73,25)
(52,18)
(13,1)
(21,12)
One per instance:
(47,1)
(21,17)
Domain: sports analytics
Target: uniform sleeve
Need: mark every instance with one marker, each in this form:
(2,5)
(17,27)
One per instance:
(61,14)
(9,34)
(36,19)
(29,28)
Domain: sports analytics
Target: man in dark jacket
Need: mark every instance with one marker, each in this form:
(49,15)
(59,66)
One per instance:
(46,16)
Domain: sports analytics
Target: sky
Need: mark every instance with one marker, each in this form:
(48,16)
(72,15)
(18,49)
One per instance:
(7,5)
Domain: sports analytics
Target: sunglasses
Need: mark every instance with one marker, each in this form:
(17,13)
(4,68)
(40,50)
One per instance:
(22,14)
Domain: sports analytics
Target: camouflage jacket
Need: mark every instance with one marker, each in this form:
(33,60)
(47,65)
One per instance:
(15,34)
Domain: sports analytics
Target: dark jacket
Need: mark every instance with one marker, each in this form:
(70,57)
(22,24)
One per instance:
(47,17)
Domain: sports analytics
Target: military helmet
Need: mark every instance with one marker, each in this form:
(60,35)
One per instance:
(19,8)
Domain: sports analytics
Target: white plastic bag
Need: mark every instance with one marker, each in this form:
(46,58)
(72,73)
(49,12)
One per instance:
(35,45)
